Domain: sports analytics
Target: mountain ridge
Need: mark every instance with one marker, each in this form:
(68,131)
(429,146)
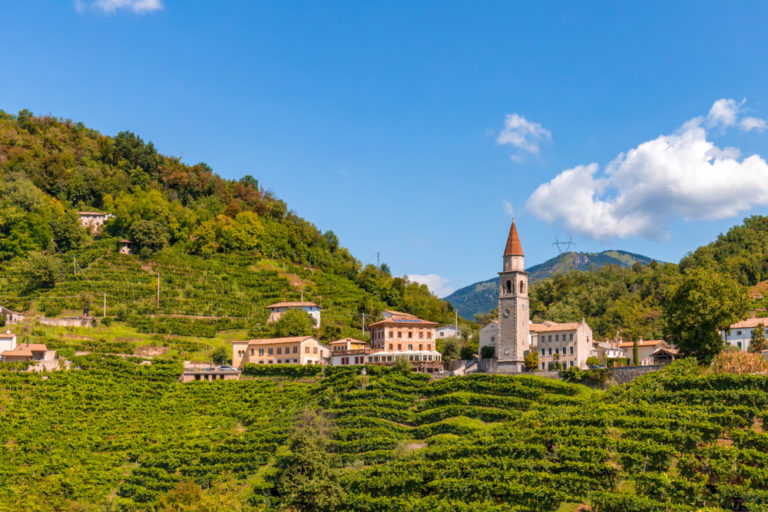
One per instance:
(482,296)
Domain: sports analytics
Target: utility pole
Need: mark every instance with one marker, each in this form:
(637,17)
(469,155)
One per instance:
(158,289)
(363,324)
(104,310)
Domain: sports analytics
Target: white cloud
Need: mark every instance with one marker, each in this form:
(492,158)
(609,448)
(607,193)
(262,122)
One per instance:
(438,285)
(524,135)
(752,123)
(508,208)
(110,6)
(679,175)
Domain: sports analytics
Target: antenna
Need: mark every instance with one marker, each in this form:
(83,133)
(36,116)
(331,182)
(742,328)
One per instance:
(562,246)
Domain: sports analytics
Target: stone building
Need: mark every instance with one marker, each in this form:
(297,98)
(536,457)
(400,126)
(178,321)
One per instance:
(514,314)
(570,344)
(94,221)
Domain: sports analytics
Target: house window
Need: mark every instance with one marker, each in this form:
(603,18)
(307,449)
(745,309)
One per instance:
(269,351)
(557,337)
(509,286)
(738,343)
(410,334)
(549,338)
(314,350)
(279,350)
(550,350)
(399,347)
(543,352)
(261,351)
(306,350)
(522,286)
(399,334)
(493,338)
(390,346)
(421,334)
(738,333)
(571,350)
(252,351)
(571,364)
(420,345)
(571,338)
(429,334)
(410,347)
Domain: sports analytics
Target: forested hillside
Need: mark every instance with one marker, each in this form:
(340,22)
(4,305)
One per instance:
(223,248)
(119,435)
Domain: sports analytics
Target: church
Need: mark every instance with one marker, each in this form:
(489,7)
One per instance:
(513,335)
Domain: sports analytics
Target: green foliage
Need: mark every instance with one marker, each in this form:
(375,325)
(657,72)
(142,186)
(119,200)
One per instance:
(700,304)
(594,361)
(293,322)
(450,348)
(148,235)
(306,482)
(219,356)
(469,350)
(757,343)
(487,352)
(40,271)
(281,370)
(532,360)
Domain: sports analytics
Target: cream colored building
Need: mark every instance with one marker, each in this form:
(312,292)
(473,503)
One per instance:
(277,310)
(645,350)
(94,221)
(402,332)
(7,341)
(295,350)
(569,343)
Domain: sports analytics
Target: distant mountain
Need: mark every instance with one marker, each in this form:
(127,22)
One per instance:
(483,296)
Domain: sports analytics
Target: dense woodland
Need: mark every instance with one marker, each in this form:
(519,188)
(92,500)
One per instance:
(223,247)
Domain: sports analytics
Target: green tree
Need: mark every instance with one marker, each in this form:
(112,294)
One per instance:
(330,333)
(699,304)
(40,271)
(469,350)
(757,343)
(149,235)
(450,348)
(293,322)
(593,361)
(532,360)
(306,481)
(219,356)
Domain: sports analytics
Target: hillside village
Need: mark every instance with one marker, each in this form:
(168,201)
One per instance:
(510,344)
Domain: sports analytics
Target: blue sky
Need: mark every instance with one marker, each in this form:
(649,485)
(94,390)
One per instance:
(416,128)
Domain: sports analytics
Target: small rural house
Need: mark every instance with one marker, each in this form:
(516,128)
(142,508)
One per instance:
(645,350)
(447,331)
(277,310)
(94,221)
(740,334)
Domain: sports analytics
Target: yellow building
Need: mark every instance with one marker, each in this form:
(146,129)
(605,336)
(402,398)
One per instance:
(346,344)
(294,350)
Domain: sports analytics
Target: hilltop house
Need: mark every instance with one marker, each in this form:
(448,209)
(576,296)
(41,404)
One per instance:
(569,343)
(7,341)
(124,246)
(645,350)
(294,350)
(447,331)
(94,221)
(740,334)
(277,310)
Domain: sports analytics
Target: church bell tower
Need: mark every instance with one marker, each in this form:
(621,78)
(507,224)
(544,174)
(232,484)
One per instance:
(514,314)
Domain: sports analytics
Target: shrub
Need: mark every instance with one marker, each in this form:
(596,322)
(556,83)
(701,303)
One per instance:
(532,360)
(106,321)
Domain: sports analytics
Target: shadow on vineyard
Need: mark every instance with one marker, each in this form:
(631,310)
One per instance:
(125,435)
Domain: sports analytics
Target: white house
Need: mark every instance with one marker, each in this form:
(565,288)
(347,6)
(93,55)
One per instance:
(277,310)
(645,350)
(740,334)
(7,341)
(606,350)
(94,221)
(447,331)
(489,336)
(568,343)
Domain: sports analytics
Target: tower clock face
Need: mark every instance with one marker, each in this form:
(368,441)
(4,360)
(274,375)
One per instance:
(507,312)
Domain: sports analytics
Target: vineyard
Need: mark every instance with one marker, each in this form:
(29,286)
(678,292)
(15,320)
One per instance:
(129,434)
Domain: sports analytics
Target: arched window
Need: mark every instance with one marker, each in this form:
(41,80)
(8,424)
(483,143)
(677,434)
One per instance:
(522,286)
(509,286)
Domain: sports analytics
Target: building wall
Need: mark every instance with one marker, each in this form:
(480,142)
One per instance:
(309,351)
(80,321)
(514,315)
(94,223)
(740,337)
(574,346)
(488,336)
(7,343)
(399,338)
(447,332)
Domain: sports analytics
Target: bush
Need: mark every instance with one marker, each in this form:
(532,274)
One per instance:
(594,361)
(532,360)
(106,321)
(281,370)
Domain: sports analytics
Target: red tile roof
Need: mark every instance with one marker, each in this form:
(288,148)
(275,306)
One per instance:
(553,327)
(513,243)
(292,305)
(19,350)
(750,323)
(279,341)
(409,320)
(642,343)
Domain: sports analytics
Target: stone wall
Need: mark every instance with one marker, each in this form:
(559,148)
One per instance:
(624,374)
(78,321)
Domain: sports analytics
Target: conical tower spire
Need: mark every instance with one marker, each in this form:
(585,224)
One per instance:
(513,242)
